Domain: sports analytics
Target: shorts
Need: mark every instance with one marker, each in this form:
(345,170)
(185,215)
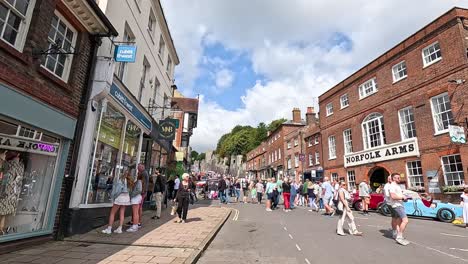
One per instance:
(270,196)
(136,200)
(122,199)
(326,200)
(398,212)
(365,199)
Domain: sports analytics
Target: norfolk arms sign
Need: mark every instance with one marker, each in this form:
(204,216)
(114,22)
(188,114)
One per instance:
(403,149)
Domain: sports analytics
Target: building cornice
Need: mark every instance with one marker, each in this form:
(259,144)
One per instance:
(90,17)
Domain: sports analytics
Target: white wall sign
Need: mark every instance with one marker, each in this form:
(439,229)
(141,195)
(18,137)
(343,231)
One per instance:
(457,134)
(407,148)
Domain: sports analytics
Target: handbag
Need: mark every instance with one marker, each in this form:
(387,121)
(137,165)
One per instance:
(174,209)
(192,198)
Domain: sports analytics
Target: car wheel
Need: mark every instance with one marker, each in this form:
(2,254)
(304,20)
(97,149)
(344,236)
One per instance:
(384,210)
(358,205)
(446,215)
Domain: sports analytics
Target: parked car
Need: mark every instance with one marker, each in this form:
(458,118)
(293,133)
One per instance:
(376,200)
(423,206)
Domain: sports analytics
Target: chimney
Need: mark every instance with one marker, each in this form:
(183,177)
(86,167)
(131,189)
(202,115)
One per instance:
(311,116)
(296,115)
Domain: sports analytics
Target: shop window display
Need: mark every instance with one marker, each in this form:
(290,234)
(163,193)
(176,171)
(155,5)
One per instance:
(104,167)
(130,148)
(27,170)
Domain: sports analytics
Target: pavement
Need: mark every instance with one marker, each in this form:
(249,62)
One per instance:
(158,241)
(253,235)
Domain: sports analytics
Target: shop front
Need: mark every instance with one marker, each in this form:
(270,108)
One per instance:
(34,144)
(116,134)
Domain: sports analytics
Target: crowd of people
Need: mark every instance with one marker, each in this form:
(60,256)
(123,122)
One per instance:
(329,197)
(133,191)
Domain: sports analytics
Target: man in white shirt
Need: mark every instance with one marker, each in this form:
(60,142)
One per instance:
(386,201)
(396,203)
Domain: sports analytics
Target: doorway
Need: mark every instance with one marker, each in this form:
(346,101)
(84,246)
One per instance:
(377,176)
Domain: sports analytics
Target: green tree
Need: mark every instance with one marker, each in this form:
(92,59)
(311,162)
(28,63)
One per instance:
(194,155)
(202,156)
(275,124)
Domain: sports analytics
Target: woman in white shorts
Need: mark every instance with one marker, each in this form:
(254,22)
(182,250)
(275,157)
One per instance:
(121,198)
(135,200)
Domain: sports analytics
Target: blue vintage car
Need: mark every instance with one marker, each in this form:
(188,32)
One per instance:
(422,207)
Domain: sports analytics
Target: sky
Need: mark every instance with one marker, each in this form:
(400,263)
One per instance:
(253,61)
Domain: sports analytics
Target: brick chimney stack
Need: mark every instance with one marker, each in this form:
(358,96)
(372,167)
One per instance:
(296,115)
(311,116)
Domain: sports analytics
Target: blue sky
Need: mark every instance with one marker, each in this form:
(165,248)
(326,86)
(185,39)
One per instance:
(254,61)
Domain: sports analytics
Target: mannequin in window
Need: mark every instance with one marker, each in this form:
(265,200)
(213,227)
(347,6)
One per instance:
(14,180)
(3,167)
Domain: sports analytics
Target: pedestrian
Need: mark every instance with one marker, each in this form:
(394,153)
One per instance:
(286,186)
(158,191)
(396,204)
(245,190)
(170,187)
(327,194)
(176,185)
(292,200)
(346,213)
(121,199)
(270,193)
(222,190)
(319,196)
(252,191)
(183,198)
(364,191)
(136,199)
(279,190)
(464,203)
(145,181)
(237,190)
(260,190)
(229,190)
(394,222)
(305,193)
(312,193)
(300,197)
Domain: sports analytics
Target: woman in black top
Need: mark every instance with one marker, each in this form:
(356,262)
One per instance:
(286,194)
(183,198)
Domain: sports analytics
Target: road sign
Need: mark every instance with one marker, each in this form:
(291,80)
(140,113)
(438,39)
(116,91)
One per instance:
(457,134)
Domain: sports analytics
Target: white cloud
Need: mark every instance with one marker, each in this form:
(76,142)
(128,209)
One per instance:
(224,78)
(292,43)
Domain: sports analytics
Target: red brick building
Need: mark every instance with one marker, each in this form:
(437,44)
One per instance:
(47,52)
(256,162)
(313,167)
(393,114)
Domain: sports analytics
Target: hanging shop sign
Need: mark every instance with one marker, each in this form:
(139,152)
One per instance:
(25,145)
(167,129)
(398,150)
(125,53)
(126,102)
(457,134)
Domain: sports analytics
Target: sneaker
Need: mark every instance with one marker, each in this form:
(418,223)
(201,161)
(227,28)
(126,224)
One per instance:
(107,231)
(310,210)
(394,234)
(333,213)
(133,228)
(402,241)
(357,233)
(268,210)
(139,226)
(183,222)
(341,234)
(118,230)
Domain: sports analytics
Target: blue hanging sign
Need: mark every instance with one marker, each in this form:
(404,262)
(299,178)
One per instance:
(125,53)
(124,101)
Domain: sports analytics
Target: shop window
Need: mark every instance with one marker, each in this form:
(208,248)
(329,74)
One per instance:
(373,131)
(104,169)
(130,149)
(15,16)
(351,180)
(62,39)
(27,177)
(415,174)
(453,170)
(441,112)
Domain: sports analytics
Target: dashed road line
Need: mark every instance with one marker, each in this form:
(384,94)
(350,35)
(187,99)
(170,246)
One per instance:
(453,235)
(440,252)
(298,248)
(291,236)
(461,249)
(285,229)
(307,261)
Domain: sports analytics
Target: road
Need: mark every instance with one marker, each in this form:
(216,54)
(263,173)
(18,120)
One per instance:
(254,235)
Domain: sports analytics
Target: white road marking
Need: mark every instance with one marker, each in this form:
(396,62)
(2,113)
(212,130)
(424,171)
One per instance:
(440,252)
(236,215)
(375,226)
(291,236)
(362,218)
(298,248)
(445,234)
(461,249)
(307,261)
(285,229)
